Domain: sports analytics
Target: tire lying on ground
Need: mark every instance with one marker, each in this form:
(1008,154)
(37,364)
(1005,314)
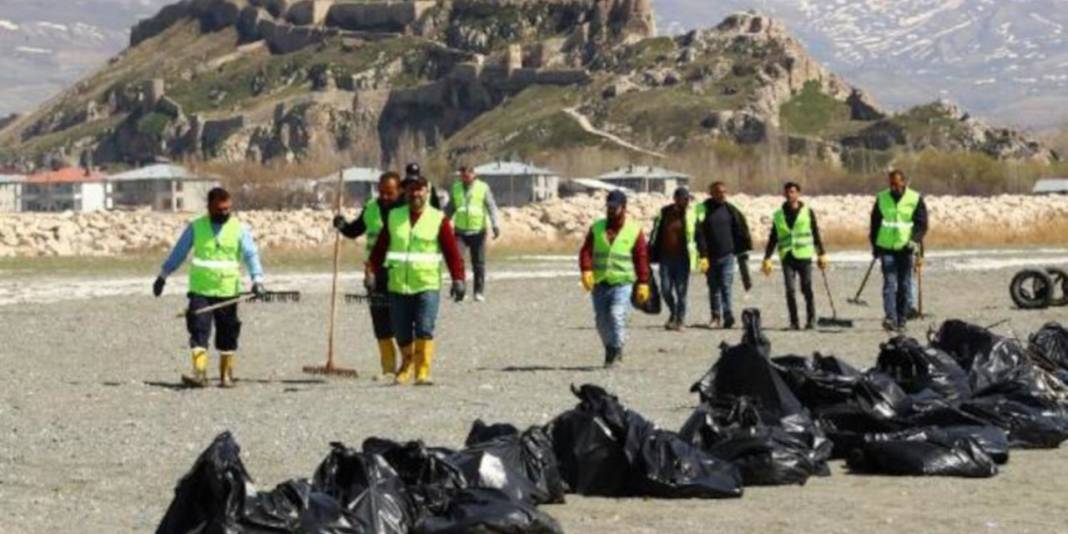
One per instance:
(1059,291)
(1032,289)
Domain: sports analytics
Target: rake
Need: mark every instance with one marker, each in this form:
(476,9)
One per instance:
(331,369)
(856,300)
(834,321)
(269,296)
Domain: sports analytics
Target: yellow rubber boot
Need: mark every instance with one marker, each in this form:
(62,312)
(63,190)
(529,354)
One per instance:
(424,356)
(405,374)
(387,352)
(199,378)
(227,360)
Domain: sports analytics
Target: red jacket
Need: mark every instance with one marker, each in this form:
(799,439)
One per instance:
(640,254)
(446,241)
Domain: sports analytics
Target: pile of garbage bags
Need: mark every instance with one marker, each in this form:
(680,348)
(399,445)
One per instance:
(954,406)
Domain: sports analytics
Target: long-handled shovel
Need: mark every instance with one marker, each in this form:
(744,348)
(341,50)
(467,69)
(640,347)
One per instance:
(834,321)
(856,300)
(330,368)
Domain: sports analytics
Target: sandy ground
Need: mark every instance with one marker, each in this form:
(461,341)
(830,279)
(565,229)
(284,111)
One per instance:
(94,432)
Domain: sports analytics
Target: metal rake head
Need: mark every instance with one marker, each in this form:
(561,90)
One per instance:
(280,296)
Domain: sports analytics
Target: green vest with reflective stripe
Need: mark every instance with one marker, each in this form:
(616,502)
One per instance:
(216,267)
(414,257)
(613,262)
(896,230)
(470,204)
(372,221)
(693,215)
(797,240)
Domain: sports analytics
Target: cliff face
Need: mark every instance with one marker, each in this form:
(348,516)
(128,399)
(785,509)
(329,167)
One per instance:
(263,80)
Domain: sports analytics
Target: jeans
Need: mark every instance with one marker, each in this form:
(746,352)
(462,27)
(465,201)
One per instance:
(610,305)
(914,297)
(674,285)
(720,278)
(414,315)
(897,278)
(476,244)
(227,325)
(792,269)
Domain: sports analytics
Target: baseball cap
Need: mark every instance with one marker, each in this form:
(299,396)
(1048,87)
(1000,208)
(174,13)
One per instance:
(682,192)
(616,199)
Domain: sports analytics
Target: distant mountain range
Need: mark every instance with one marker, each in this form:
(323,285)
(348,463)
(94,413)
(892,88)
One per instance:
(1003,59)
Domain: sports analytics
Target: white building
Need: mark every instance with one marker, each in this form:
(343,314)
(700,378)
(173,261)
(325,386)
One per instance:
(646,179)
(69,189)
(1051,186)
(518,184)
(588,186)
(361,184)
(11,192)
(163,187)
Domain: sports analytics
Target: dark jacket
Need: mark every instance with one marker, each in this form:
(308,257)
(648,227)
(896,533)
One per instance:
(919,224)
(654,237)
(743,240)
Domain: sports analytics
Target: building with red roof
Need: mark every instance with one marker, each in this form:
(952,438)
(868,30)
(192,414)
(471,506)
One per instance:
(66,189)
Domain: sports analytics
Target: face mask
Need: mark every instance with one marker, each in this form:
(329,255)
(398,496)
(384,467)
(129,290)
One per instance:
(220,218)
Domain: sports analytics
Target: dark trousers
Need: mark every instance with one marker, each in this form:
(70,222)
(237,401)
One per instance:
(380,319)
(227,325)
(414,316)
(674,285)
(476,244)
(897,282)
(792,269)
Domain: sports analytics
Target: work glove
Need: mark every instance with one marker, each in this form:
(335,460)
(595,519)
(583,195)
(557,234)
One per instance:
(919,263)
(587,281)
(369,280)
(496,233)
(339,222)
(157,286)
(822,262)
(765,267)
(458,291)
(258,290)
(704,265)
(643,294)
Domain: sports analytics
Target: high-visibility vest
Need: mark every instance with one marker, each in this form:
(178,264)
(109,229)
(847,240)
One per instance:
(372,221)
(613,262)
(216,267)
(691,233)
(896,230)
(798,240)
(470,204)
(414,256)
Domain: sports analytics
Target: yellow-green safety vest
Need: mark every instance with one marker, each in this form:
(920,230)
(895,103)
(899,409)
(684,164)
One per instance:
(797,240)
(470,204)
(216,266)
(414,256)
(693,215)
(372,221)
(896,230)
(613,262)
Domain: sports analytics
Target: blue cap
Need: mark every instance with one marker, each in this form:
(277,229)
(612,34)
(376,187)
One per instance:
(616,199)
(682,192)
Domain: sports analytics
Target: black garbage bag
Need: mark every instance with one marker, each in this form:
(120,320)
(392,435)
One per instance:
(1051,342)
(367,487)
(744,370)
(964,341)
(820,381)
(765,454)
(428,472)
(917,368)
(481,432)
(1031,423)
(653,306)
(523,466)
(670,468)
(210,498)
(487,510)
(295,506)
(922,452)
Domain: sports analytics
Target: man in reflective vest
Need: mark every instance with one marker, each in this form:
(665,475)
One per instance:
(898,226)
(796,235)
(220,244)
(613,258)
(723,238)
(417,236)
(372,222)
(470,206)
(672,244)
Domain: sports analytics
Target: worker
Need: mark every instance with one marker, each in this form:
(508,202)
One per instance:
(898,226)
(372,222)
(220,243)
(672,245)
(417,237)
(613,257)
(796,235)
(723,237)
(413,171)
(470,205)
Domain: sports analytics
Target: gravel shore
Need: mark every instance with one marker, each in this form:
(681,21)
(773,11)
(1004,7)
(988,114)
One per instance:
(94,432)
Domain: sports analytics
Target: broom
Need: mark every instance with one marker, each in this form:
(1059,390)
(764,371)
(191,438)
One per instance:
(834,321)
(330,369)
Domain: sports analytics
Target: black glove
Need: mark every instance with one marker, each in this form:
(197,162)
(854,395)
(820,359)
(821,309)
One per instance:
(875,252)
(369,281)
(339,222)
(157,286)
(459,290)
(496,232)
(258,290)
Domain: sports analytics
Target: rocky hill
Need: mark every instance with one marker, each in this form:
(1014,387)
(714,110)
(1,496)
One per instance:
(267,80)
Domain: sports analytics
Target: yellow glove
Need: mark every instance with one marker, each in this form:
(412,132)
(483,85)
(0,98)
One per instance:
(822,262)
(587,281)
(643,294)
(766,267)
(919,263)
(704,265)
